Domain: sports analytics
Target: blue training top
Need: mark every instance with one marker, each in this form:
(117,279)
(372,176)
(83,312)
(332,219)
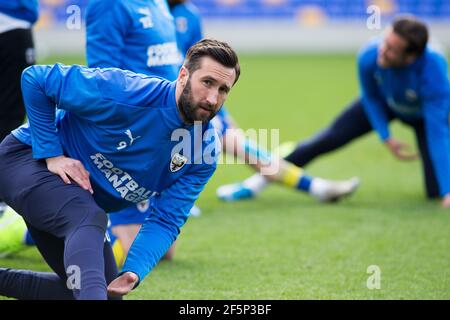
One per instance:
(188,25)
(20,9)
(419,90)
(126,130)
(136,35)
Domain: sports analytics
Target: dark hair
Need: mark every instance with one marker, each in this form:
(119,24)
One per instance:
(415,33)
(173,3)
(215,49)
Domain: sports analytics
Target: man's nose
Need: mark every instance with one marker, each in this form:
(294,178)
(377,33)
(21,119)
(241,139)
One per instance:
(212,97)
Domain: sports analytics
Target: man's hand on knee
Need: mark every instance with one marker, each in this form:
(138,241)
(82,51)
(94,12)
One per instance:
(68,168)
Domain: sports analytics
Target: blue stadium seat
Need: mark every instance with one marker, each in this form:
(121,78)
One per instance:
(257,9)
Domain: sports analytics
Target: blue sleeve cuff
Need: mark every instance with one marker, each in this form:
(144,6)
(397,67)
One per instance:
(57,151)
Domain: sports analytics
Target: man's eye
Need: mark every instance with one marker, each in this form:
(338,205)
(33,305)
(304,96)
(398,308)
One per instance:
(223,90)
(207,82)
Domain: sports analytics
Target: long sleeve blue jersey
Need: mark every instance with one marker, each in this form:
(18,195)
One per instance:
(137,35)
(126,130)
(420,90)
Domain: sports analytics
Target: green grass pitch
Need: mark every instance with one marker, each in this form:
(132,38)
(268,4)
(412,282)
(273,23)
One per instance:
(285,245)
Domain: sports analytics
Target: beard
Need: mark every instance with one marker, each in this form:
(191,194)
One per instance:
(189,109)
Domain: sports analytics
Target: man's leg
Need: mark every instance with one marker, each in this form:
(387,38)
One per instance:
(64,211)
(349,125)
(431,183)
(352,123)
(30,285)
(271,167)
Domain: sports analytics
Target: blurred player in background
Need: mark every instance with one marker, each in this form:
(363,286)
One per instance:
(16,53)
(400,78)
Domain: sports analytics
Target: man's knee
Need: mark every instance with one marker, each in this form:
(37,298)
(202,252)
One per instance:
(79,212)
(95,216)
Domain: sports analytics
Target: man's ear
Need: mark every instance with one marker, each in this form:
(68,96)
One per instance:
(410,58)
(183,76)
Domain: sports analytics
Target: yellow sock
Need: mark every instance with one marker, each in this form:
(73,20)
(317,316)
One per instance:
(296,178)
(119,254)
(291,175)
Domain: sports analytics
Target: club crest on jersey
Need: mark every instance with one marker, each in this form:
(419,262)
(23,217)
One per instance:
(177,162)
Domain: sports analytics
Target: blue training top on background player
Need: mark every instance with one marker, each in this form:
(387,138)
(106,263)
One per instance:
(132,35)
(188,25)
(419,90)
(26,10)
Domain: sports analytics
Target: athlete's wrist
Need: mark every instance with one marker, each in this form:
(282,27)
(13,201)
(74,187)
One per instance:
(54,158)
(445,203)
